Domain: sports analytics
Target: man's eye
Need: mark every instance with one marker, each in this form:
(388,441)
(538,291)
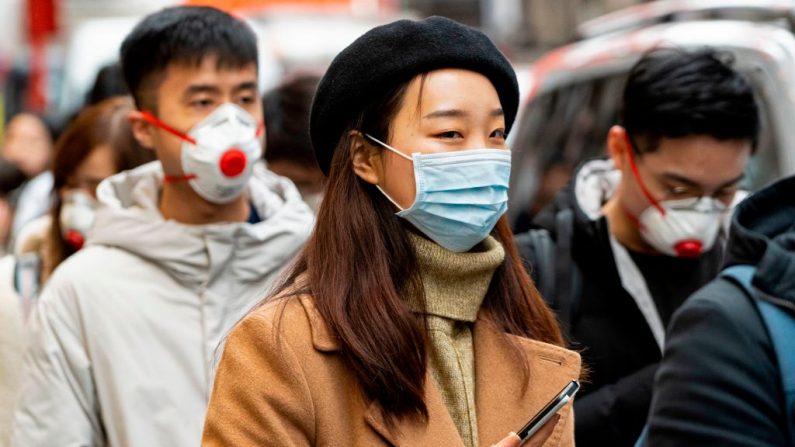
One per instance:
(247,100)
(726,193)
(679,191)
(202,103)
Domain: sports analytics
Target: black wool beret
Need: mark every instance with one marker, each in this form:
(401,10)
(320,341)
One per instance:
(389,55)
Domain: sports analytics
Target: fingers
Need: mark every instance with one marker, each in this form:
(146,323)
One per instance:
(542,435)
(509,441)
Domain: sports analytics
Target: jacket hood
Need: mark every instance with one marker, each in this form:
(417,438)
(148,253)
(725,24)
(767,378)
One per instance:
(763,234)
(593,183)
(129,219)
(584,196)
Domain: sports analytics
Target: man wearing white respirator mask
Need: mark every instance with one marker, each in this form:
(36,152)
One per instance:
(179,251)
(636,233)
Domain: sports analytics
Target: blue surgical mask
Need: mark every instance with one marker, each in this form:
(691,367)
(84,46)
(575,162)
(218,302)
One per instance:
(460,195)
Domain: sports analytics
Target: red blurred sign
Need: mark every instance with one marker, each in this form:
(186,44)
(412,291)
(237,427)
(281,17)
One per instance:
(42,18)
(42,23)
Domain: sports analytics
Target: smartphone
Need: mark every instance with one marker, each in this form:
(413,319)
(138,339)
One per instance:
(546,413)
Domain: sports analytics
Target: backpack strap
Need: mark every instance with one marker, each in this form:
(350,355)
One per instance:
(551,265)
(536,249)
(566,272)
(780,326)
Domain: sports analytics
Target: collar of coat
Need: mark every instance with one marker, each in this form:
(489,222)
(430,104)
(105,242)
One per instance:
(499,386)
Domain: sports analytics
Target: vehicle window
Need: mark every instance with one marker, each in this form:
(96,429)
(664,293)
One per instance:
(558,130)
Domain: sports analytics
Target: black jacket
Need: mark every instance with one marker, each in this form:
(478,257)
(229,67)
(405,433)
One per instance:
(719,383)
(606,324)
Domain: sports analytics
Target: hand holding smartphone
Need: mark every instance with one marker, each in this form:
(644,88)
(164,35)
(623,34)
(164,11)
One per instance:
(549,410)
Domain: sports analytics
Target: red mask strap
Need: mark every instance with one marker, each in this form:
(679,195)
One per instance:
(260,128)
(178,178)
(149,118)
(636,173)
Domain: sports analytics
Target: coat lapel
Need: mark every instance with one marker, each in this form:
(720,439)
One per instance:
(439,430)
(503,402)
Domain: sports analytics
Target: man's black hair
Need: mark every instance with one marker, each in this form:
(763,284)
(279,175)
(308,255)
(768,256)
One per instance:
(672,93)
(183,35)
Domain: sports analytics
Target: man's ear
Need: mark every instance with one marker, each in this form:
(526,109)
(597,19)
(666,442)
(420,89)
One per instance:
(366,158)
(617,146)
(141,129)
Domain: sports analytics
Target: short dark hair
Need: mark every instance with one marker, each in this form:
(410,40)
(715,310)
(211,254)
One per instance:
(673,93)
(186,35)
(286,111)
(108,83)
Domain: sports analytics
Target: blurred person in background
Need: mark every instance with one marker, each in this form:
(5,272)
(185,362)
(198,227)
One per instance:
(99,143)
(288,149)
(124,335)
(408,319)
(27,143)
(634,235)
(11,178)
(108,83)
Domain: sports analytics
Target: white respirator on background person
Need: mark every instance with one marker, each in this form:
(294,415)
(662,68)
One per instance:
(78,210)
(218,153)
(684,228)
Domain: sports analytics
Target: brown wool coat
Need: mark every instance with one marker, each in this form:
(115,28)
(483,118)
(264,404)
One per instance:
(292,388)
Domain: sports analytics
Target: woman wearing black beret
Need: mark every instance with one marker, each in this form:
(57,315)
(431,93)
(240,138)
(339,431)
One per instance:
(408,319)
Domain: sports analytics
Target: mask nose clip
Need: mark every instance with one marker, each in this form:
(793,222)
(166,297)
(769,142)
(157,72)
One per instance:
(233,162)
(689,249)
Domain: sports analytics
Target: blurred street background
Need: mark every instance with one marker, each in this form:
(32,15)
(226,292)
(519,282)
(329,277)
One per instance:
(51,50)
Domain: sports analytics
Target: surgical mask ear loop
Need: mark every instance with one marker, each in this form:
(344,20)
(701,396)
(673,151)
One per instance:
(390,148)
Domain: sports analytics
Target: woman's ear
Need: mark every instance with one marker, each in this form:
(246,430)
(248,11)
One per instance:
(617,145)
(366,158)
(141,129)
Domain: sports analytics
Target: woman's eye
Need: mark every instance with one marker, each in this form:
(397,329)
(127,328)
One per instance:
(499,133)
(450,134)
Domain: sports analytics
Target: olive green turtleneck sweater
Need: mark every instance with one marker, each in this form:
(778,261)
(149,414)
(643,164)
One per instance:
(455,285)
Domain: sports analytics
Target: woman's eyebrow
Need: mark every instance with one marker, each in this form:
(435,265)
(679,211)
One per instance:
(457,113)
(446,113)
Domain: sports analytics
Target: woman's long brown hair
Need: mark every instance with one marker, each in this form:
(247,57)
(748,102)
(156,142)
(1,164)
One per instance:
(358,262)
